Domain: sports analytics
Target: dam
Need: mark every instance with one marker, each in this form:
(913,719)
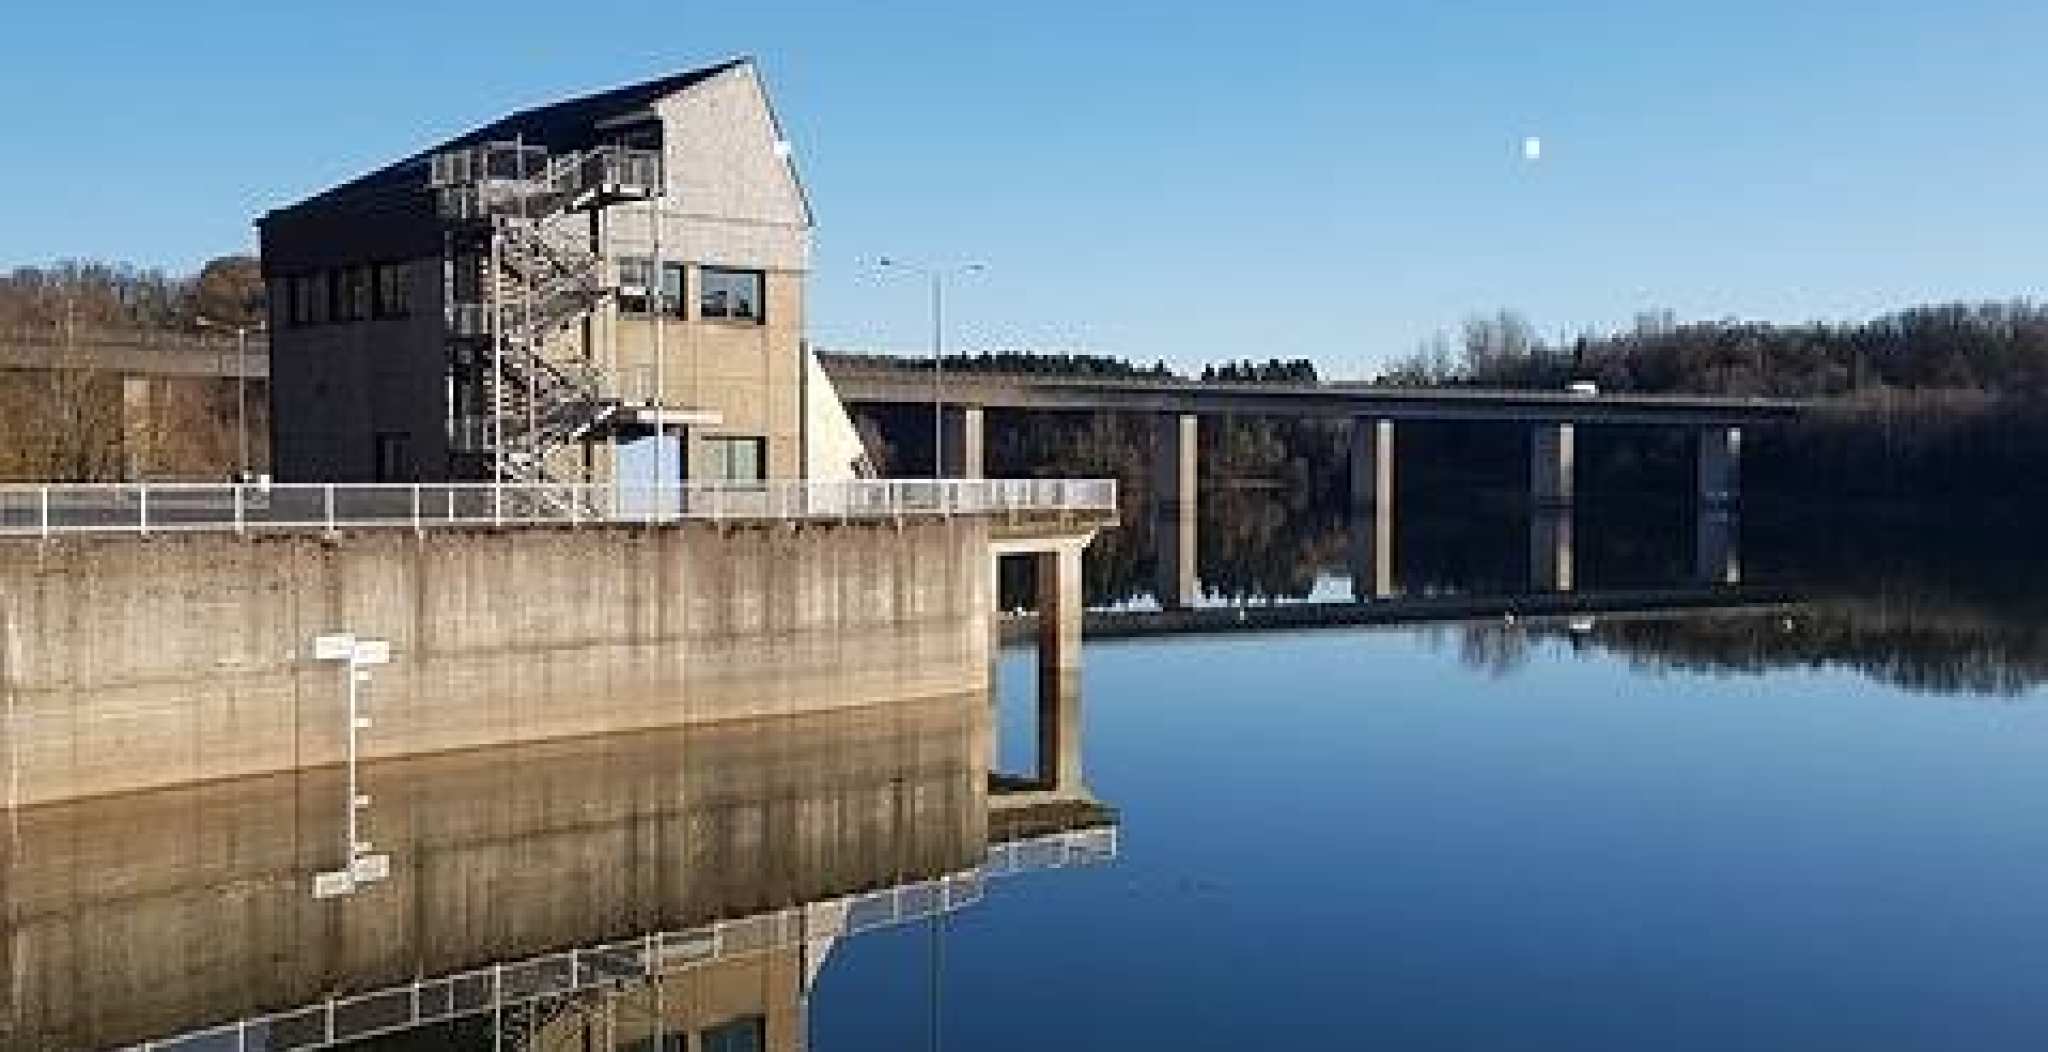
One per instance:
(136,661)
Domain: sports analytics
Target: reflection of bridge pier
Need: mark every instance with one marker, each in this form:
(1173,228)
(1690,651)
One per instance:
(1716,554)
(1551,558)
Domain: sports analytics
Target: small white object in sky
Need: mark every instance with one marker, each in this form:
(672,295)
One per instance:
(782,148)
(1532,149)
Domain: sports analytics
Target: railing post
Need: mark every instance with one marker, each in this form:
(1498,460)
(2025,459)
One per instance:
(241,526)
(497,503)
(327,498)
(44,513)
(142,504)
(416,526)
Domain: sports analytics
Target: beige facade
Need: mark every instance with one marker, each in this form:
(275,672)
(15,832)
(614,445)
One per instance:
(690,357)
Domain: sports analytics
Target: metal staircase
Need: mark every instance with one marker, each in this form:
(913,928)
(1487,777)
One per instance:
(525,382)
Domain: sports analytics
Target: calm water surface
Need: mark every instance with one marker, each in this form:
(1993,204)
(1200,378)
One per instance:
(1811,823)
(1815,829)
(1361,840)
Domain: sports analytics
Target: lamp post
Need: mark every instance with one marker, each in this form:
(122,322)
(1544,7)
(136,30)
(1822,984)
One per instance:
(937,276)
(241,386)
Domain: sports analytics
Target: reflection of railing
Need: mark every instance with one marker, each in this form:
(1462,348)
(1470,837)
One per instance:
(504,986)
(46,511)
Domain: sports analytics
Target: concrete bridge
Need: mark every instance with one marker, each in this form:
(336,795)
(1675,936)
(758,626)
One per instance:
(136,353)
(1373,413)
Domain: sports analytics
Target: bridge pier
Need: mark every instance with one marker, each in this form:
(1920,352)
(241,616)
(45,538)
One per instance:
(1173,474)
(1551,454)
(1372,508)
(961,446)
(1719,466)
(1550,549)
(1060,603)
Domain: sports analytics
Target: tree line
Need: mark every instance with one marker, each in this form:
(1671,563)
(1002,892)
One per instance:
(86,296)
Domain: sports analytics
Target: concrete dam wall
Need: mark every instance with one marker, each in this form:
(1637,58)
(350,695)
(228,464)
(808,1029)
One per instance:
(134,663)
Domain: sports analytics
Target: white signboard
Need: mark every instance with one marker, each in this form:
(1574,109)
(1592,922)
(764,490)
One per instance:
(335,646)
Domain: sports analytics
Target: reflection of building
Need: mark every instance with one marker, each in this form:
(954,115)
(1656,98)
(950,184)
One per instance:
(690,880)
(611,286)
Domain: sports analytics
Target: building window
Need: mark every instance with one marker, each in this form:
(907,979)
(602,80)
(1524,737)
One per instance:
(298,307)
(672,289)
(738,459)
(393,291)
(732,294)
(312,302)
(394,457)
(351,294)
(745,1034)
(636,284)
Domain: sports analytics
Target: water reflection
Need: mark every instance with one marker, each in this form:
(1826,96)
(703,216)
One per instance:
(615,892)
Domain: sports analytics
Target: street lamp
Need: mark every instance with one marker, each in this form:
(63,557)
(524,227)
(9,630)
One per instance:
(241,385)
(937,276)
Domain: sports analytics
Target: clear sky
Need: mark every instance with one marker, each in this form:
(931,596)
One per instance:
(1334,180)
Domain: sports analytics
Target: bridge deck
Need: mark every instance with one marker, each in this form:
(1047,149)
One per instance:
(860,382)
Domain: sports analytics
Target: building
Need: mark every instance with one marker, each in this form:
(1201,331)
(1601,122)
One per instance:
(605,288)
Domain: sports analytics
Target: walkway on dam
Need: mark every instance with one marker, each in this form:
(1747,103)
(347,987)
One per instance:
(45,511)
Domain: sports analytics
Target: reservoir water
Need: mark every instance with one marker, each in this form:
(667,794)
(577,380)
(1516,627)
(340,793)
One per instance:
(1803,818)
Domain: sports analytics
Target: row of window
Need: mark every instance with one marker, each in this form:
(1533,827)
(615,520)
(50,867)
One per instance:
(355,293)
(380,290)
(722,292)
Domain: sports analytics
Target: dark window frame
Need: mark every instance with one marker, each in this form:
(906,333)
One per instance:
(390,291)
(714,294)
(636,284)
(721,461)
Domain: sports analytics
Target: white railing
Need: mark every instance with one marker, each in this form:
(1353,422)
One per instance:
(169,507)
(501,986)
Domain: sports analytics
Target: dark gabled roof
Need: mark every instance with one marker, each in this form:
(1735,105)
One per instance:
(571,124)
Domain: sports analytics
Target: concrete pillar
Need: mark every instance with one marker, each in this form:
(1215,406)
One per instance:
(1550,549)
(961,444)
(1173,474)
(1717,558)
(1059,733)
(1059,612)
(1372,508)
(1720,466)
(1550,465)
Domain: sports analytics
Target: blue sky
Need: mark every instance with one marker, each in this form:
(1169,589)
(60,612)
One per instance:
(1178,180)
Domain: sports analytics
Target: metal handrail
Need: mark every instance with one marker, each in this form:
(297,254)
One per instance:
(45,511)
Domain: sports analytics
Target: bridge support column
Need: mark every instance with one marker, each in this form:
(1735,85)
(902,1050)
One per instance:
(1059,650)
(1174,515)
(1550,549)
(1551,454)
(1717,555)
(1372,508)
(1720,467)
(961,445)
(1059,732)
